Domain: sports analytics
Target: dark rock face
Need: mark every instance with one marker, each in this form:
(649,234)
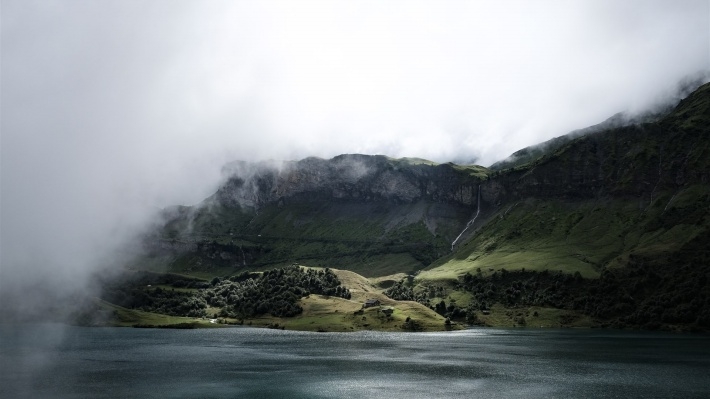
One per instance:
(162,246)
(361,178)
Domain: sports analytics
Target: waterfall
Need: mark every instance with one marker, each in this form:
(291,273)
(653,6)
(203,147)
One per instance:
(470,222)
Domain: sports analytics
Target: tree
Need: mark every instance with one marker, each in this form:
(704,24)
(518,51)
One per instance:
(440,307)
(471,317)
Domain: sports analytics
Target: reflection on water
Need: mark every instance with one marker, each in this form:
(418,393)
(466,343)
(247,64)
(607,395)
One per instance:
(58,361)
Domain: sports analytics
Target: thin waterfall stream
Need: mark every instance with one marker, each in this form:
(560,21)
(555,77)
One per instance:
(470,222)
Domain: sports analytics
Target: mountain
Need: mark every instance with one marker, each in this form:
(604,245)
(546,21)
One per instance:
(531,153)
(607,224)
(371,214)
(682,90)
(626,208)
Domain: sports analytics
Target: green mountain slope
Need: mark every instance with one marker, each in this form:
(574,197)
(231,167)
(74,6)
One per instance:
(370,214)
(627,210)
(618,212)
(601,197)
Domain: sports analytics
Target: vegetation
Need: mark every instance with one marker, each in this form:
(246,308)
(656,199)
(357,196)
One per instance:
(102,313)
(606,226)
(646,293)
(247,295)
(276,292)
(144,291)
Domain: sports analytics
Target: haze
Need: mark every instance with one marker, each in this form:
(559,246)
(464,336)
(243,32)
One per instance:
(113,109)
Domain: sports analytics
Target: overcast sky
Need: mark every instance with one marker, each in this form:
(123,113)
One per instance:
(110,108)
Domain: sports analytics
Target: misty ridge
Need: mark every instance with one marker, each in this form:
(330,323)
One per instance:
(661,107)
(246,182)
(62,285)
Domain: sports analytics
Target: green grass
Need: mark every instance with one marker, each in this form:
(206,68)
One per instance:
(412,161)
(501,316)
(475,171)
(375,239)
(694,112)
(689,197)
(123,317)
(370,266)
(320,313)
(340,315)
(171,288)
(575,237)
(570,237)
(186,265)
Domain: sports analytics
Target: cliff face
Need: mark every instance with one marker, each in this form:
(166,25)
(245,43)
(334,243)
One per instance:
(360,178)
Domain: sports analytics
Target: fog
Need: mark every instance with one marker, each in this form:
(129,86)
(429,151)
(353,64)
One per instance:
(113,109)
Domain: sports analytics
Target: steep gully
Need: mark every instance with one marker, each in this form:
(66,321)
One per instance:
(470,222)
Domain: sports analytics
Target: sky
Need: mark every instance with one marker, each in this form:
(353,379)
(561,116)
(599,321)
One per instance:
(112,109)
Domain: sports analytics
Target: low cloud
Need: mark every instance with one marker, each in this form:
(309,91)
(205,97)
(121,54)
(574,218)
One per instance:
(113,109)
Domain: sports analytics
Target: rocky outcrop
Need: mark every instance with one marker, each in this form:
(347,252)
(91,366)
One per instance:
(347,177)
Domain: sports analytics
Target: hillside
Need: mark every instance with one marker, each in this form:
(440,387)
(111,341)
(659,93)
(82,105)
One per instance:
(629,204)
(640,189)
(370,214)
(620,213)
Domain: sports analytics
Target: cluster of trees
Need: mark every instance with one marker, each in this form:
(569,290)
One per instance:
(412,325)
(669,291)
(523,288)
(151,278)
(141,290)
(246,295)
(276,292)
(402,291)
(454,312)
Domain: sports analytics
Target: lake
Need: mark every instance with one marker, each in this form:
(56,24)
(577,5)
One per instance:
(58,361)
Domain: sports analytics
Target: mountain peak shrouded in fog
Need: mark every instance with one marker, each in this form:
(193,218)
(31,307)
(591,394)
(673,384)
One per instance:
(112,109)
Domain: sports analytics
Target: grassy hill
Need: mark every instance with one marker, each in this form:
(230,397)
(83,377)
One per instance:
(294,298)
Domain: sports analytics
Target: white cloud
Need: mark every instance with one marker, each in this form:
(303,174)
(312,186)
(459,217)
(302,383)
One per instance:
(110,108)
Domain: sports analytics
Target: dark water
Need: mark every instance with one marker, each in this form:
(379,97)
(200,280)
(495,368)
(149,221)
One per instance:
(55,361)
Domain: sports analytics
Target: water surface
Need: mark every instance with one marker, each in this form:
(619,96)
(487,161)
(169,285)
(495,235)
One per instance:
(56,361)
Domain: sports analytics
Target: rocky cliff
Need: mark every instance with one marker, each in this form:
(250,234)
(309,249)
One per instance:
(352,177)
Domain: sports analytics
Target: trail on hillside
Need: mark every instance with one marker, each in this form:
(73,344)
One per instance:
(470,222)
